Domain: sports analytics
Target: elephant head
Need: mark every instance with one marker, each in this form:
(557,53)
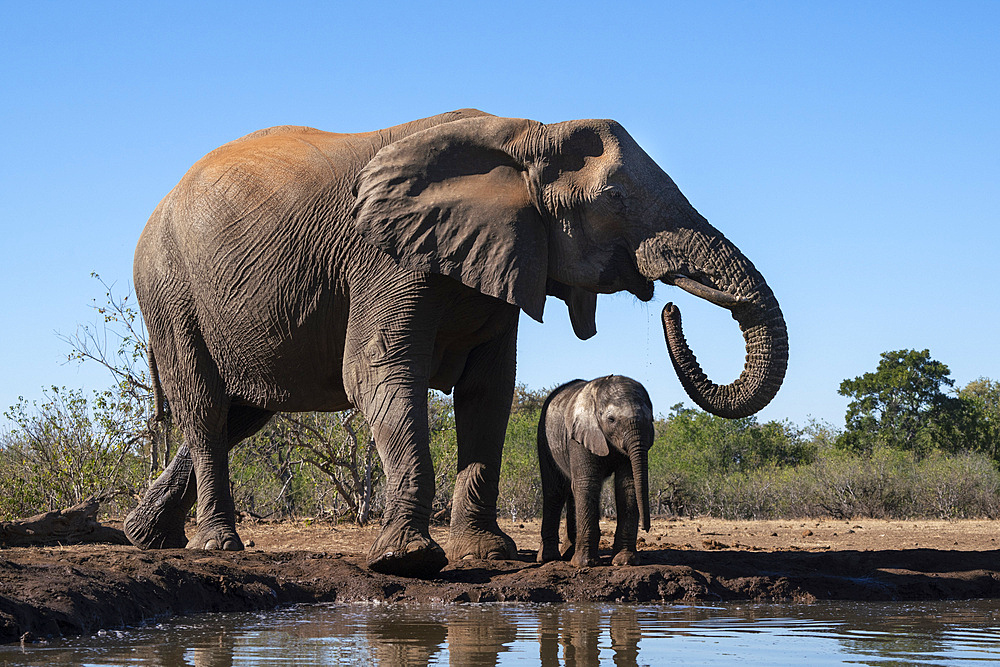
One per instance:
(615,412)
(518,210)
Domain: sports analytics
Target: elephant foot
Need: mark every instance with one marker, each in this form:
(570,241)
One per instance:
(155,530)
(216,538)
(581,559)
(157,522)
(406,552)
(625,557)
(480,543)
(548,553)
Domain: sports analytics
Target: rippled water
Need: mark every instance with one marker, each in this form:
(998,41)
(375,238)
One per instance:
(942,633)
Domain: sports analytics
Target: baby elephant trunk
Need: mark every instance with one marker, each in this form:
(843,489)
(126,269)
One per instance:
(637,453)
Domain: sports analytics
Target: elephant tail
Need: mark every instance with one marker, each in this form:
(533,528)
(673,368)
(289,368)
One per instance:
(154,380)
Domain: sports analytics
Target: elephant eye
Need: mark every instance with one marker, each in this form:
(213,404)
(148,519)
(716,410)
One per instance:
(614,198)
(611,419)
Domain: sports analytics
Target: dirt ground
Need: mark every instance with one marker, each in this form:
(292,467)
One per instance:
(66,590)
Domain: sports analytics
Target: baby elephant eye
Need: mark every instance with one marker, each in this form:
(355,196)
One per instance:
(611,419)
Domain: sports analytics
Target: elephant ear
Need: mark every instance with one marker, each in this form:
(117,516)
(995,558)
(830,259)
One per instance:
(456,199)
(581,422)
(582,306)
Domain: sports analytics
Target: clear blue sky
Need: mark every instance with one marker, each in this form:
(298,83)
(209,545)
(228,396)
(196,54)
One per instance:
(851,149)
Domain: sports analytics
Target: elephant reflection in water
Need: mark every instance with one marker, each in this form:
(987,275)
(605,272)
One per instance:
(478,638)
(479,635)
(392,640)
(577,632)
(472,635)
(566,636)
(396,641)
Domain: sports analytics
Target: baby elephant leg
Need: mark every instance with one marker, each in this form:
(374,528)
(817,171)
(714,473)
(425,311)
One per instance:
(627,529)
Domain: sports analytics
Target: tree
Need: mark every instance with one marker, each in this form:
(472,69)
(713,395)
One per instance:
(339,444)
(903,404)
(117,341)
(981,402)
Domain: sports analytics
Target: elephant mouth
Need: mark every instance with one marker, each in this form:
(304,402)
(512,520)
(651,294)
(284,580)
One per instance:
(622,272)
(643,291)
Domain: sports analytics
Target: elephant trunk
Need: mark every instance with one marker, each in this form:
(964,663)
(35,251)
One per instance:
(701,261)
(637,454)
(758,382)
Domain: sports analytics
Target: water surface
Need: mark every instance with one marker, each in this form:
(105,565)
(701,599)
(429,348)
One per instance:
(824,633)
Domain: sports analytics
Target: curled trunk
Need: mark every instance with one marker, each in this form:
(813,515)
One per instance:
(763,372)
(703,262)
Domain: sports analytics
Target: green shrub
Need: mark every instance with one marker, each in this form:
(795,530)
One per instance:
(520,479)
(885,483)
(62,451)
(958,486)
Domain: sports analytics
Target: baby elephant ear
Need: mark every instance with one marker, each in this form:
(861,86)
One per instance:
(582,422)
(457,199)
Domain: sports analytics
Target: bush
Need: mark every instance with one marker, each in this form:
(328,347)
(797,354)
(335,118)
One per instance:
(961,486)
(444,450)
(885,483)
(741,495)
(700,463)
(60,453)
(312,464)
(520,479)
(878,484)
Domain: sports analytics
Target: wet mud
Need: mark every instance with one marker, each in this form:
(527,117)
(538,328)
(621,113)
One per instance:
(68,590)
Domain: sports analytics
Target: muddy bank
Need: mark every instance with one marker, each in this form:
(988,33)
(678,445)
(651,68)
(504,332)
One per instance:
(56,591)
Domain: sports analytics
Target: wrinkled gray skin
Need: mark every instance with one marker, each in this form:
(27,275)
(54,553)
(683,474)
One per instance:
(300,270)
(589,431)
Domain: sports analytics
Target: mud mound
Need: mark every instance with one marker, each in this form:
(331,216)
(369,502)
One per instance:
(80,589)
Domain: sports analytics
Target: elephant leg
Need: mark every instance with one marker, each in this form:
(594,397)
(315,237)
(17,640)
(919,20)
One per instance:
(567,553)
(397,413)
(158,521)
(627,528)
(554,492)
(482,407)
(216,512)
(388,351)
(587,495)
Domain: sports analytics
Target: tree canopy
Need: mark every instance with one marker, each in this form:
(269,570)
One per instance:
(909,403)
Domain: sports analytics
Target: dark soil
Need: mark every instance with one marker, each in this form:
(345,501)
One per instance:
(61,591)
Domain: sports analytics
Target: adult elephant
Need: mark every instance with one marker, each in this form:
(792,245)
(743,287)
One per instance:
(299,270)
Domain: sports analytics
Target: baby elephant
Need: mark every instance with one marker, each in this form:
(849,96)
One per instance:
(587,431)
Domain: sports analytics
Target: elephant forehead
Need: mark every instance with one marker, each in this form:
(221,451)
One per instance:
(623,396)
(624,407)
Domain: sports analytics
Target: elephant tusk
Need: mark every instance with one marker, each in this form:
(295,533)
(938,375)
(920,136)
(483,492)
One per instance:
(719,298)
